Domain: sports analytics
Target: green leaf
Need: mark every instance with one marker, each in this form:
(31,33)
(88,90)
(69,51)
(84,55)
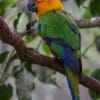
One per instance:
(95,7)
(29,39)
(97,43)
(15,23)
(79,2)
(6,3)
(22,22)
(96,75)
(3,56)
(5,92)
(46,49)
(16,70)
(86,71)
(87,13)
(28,67)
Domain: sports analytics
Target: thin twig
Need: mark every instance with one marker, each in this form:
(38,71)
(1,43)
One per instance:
(6,67)
(87,49)
(88,23)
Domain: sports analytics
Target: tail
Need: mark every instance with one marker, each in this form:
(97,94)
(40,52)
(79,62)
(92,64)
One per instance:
(73,83)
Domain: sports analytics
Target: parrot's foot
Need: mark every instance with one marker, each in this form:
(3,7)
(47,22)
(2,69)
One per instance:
(29,32)
(30,29)
(32,50)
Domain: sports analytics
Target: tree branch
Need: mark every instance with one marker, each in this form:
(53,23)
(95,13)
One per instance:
(88,23)
(29,56)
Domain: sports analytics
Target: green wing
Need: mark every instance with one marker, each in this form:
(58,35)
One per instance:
(59,24)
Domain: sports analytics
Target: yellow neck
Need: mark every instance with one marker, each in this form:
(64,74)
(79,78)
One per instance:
(47,5)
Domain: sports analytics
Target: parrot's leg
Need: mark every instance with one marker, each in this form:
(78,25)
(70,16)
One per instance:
(58,59)
(29,32)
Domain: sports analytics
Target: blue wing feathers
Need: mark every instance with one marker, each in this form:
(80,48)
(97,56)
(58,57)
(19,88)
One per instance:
(69,57)
(71,60)
(58,41)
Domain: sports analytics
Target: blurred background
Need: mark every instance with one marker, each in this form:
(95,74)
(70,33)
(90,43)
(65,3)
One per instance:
(20,80)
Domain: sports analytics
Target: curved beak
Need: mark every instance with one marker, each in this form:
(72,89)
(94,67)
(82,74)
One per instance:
(31,6)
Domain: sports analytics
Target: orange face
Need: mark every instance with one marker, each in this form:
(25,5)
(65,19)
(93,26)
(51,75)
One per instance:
(46,5)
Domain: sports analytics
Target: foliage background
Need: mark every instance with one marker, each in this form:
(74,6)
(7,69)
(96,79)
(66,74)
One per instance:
(23,81)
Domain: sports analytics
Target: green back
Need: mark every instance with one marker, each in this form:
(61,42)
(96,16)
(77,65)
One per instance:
(59,24)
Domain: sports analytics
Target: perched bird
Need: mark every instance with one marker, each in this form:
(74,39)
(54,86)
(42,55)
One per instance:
(59,31)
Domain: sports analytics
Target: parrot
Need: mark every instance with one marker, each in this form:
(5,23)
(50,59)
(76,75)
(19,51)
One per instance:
(59,31)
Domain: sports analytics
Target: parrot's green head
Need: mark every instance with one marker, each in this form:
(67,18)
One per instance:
(41,6)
